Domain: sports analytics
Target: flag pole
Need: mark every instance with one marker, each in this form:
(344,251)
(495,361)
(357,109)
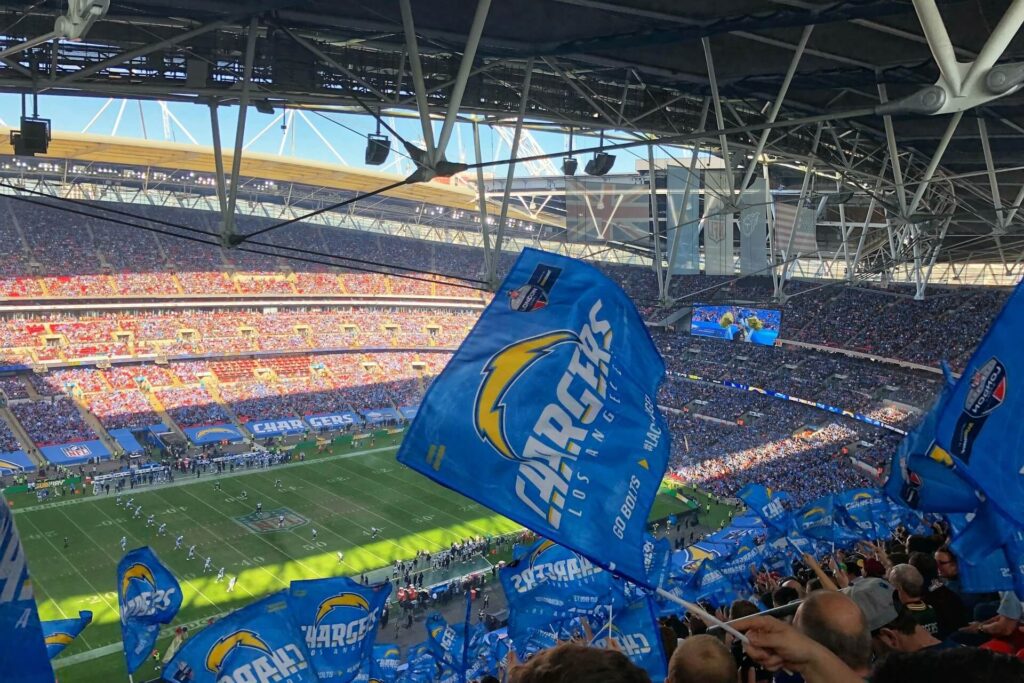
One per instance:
(702,613)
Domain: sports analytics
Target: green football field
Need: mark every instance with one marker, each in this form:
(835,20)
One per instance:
(340,495)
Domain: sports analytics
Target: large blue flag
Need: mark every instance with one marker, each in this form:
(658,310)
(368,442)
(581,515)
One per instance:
(547,414)
(59,633)
(386,659)
(338,617)
(920,472)
(989,549)
(636,633)
(980,426)
(148,595)
(816,521)
(22,653)
(256,643)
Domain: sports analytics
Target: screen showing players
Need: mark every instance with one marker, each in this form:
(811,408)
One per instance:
(736,323)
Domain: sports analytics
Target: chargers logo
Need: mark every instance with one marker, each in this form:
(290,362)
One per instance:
(139,572)
(62,639)
(632,644)
(815,512)
(862,496)
(541,549)
(8,465)
(500,373)
(695,555)
(207,431)
(556,432)
(341,600)
(227,644)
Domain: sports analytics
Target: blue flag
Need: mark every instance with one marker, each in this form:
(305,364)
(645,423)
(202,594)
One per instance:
(148,595)
(774,507)
(547,414)
(257,642)
(338,618)
(920,473)
(59,634)
(988,546)
(637,634)
(447,643)
(980,426)
(547,586)
(863,510)
(22,653)
(816,521)
(386,659)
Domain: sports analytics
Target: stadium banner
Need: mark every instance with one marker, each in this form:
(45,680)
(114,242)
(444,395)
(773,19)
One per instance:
(283,426)
(23,656)
(256,643)
(684,221)
(148,595)
(753,229)
(376,416)
(607,208)
(736,323)
(16,461)
(331,421)
(60,633)
(409,412)
(717,225)
(787,220)
(547,414)
(338,618)
(126,440)
(213,434)
(75,453)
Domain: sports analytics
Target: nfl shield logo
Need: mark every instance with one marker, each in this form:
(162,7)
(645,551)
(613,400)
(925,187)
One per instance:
(76,451)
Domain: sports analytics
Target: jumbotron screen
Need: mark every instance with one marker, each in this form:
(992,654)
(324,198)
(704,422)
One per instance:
(737,323)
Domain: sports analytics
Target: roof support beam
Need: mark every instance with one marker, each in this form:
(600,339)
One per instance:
(416,67)
(993,183)
(228,227)
(929,172)
(462,77)
(939,42)
(723,140)
(492,276)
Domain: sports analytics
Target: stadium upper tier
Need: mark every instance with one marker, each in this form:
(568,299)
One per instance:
(47,254)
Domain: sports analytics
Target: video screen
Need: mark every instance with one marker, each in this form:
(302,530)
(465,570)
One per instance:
(737,323)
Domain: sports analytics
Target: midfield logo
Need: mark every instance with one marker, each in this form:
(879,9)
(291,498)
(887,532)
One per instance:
(269,520)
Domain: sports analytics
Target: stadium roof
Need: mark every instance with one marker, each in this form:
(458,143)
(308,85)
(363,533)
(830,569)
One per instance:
(179,157)
(941,165)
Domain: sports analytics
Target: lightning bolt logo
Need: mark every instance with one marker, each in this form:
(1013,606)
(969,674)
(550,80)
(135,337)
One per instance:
(541,549)
(341,600)
(813,512)
(500,373)
(226,645)
(136,571)
(59,639)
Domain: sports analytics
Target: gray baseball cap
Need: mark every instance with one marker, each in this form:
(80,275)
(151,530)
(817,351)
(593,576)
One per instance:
(875,599)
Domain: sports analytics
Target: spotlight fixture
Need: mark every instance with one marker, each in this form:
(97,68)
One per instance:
(600,164)
(569,165)
(377,147)
(33,138)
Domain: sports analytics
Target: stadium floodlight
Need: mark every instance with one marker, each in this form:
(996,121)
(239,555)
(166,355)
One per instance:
(377,149)
(600,164)
(602,161)
(569,165)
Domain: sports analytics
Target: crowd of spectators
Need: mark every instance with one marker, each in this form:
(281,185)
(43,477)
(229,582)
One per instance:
(52,421)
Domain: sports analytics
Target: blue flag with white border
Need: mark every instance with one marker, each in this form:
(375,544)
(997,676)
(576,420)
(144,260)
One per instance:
(256,643)
(61,632)
(22,652)
(338,618)
(547,414)
(148,596)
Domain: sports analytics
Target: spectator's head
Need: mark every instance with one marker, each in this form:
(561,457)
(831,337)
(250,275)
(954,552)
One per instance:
(794,583)
(572,663)
(702,659)
(908,582)
(945,562)
(784,595)
(835,621)
(962,664)
(921,544)
(924,563)
(742,608)
(892,627)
